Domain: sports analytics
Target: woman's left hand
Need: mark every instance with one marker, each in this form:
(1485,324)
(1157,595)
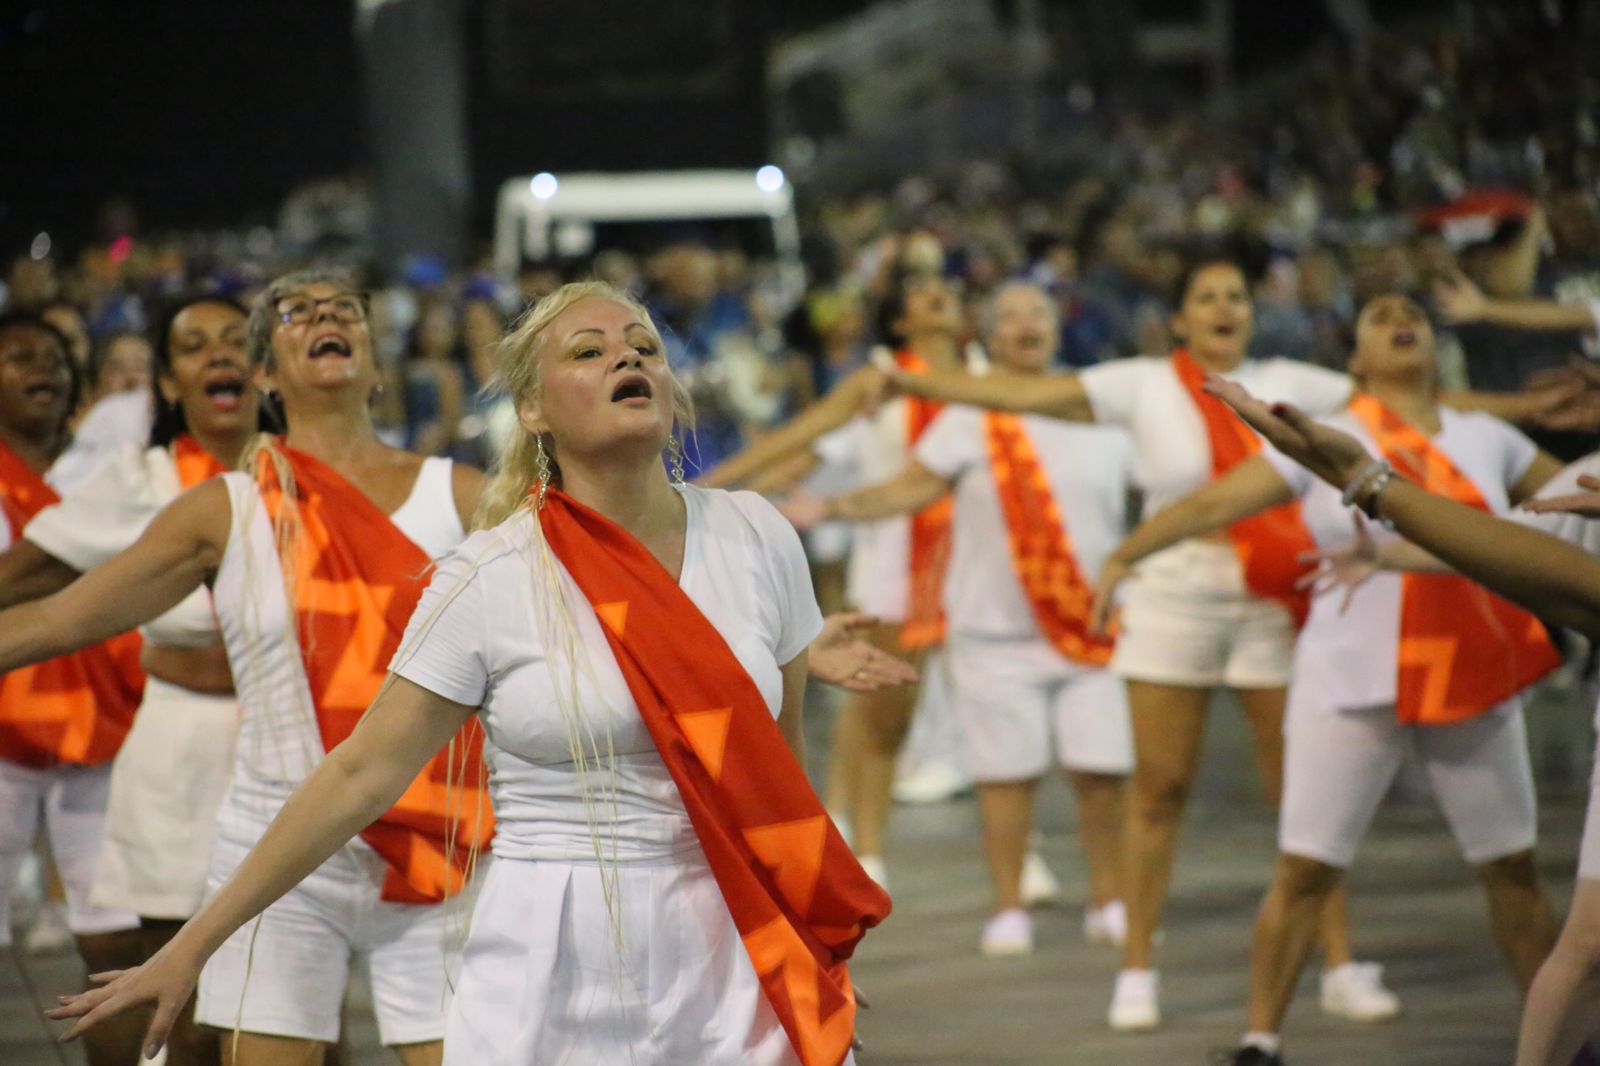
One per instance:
(840,657)
(1586,504)
(1347,567)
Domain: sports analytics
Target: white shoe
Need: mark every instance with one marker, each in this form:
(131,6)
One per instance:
(932,782)
(873,865)
(1355,991)
(1039,885)
(1135,1002)
(49,933)
(1107,924)
(1008,933)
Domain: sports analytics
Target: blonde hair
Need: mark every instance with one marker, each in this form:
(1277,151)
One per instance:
(517,375)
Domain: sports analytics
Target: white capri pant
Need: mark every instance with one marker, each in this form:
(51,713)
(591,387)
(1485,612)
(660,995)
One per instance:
(70,803)
(1014,696)
(285,973)
(1339,764)
(1187,619)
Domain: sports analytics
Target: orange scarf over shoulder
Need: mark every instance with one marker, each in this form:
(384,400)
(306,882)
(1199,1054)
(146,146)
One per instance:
(798,897)
(194,463)
(75,708)
(1041,549)
(930,532)
(357,579)
(1462,648)
(1270,543)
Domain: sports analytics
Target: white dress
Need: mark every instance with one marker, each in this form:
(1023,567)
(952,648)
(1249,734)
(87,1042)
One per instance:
(169,776)
(549,975)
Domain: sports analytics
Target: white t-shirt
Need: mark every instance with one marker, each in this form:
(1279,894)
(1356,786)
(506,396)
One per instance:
(1350,657)
(1089,469)
(1144,396)
(106,514)
(476,638)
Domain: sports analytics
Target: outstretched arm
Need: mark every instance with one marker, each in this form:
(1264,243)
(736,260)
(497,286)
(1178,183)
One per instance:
(1054,395)
(359,780)
(1549,577)
(28,572)
(910,491)
(1250,487)
(829,413)
(178,551)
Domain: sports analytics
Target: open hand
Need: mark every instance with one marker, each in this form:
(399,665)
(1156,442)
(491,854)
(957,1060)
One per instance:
(1347,566)
(1333,455)
(1585,503)
(1458,299)
(804,510)
(840,657)
(166,981)
(1113,572)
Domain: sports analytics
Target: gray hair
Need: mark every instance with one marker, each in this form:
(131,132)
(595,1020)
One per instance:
(989,311)
(264,308)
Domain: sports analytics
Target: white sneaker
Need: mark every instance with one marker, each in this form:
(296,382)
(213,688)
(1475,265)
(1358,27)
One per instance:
(1008,933)
(49,933)
(1135,1001)
(1107,924)
(1355,991)
(931,782)
(873,865)
(1039,885)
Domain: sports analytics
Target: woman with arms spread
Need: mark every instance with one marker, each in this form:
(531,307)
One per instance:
(1367,688)
(667,887)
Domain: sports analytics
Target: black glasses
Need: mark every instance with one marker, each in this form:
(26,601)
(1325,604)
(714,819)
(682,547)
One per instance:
(298,309)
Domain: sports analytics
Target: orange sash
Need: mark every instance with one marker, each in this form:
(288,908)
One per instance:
(798,897)
(1462,648)
(930,532)
(1271,542)
(357,579)
(1041,549)
(75,708)
(194,463)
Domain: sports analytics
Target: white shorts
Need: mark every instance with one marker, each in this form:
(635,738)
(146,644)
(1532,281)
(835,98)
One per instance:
(1188,619)
(70,802)
(1339,764)
(1013,696)
(167,783)
(285,973)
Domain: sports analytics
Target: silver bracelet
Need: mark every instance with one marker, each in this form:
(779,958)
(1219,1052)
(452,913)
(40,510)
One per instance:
(1379,483)
(1358,483)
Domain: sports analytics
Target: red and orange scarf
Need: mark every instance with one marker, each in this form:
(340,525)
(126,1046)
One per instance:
(1270,543)
(194,463)
(75,708)
(798,897)
(357,579)
(930,531)
(1462,648)
(1041,549)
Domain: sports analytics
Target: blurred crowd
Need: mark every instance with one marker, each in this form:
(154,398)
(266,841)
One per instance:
(1461,164)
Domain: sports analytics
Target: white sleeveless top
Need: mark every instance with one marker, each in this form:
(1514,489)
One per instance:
(106,514)
(279,743)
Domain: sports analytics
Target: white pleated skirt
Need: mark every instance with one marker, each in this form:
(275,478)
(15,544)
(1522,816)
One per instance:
(167,784)
(549,977)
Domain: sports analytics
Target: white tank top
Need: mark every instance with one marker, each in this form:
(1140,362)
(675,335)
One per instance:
(279,742)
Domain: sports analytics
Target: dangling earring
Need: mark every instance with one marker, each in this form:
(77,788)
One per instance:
(675,459)
(541,470)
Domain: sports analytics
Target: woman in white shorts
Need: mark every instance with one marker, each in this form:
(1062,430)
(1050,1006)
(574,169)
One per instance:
(301,663)
(1023,699)
(667,888)
(170,774)
(1427,666)
(62,721)
(896,565)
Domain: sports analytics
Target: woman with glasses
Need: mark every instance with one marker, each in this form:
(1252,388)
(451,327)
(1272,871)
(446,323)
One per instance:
(315,552)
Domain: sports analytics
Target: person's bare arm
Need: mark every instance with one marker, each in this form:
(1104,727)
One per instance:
(791,716)
(843,402)
(1539,474)
(1544,574)
(28,572)
(1054,395)
(360,779)
(910,491)
(178,551)
(784,473)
